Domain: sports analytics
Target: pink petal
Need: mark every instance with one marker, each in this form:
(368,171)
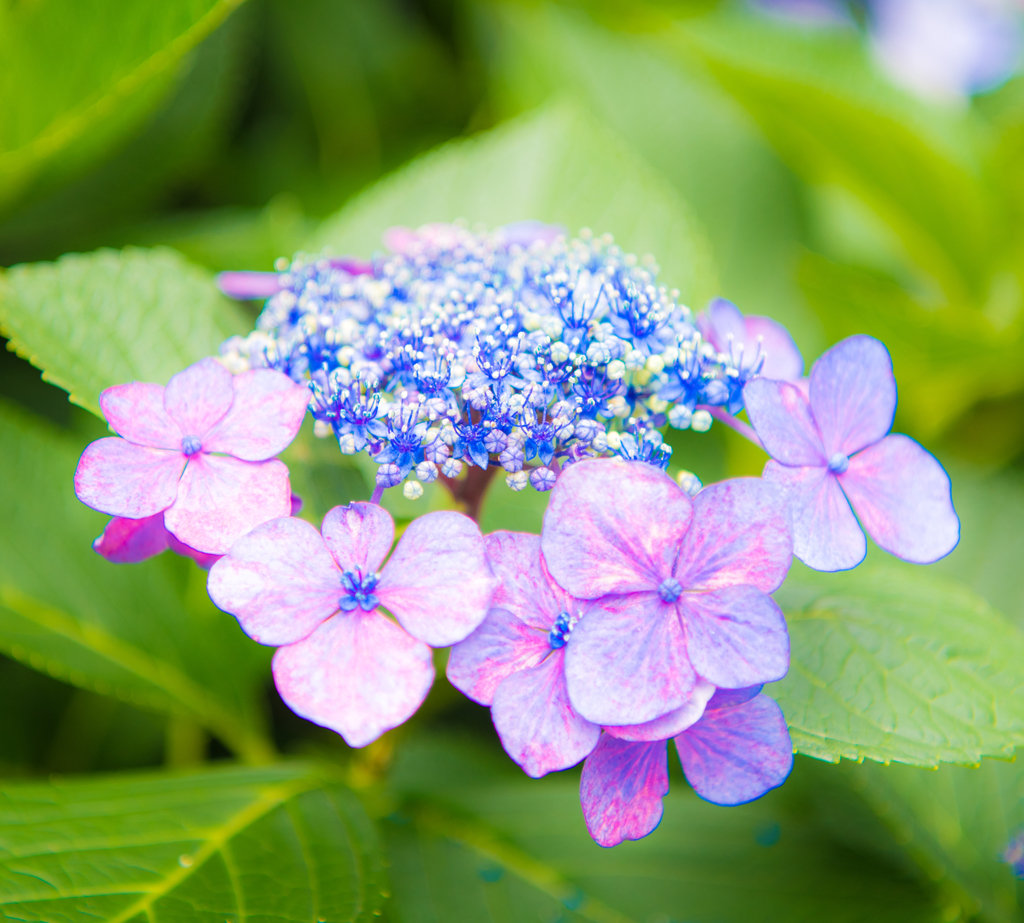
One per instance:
(741,533)
(265,416)
(826,535)
(671,724)
(222,498)
(626,661)
(902,496)
(781,416)
(358,674)
(128,541)
(613,526)
(502,645)
(735,636)
(246,286)
(782,359)
(734,755)
(438,582)
(279,581)
(136,412)
(722,324)
(621,789)
(853,395)
(525,588)
(359,535)
(120,478)
(538,727)
(199,396)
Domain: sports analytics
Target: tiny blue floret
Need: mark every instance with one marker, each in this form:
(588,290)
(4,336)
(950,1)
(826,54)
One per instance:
(670,590)
(359,589)
(838,463)
(191,444)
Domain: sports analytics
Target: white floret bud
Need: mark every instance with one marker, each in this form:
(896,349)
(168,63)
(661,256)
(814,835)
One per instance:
(598,354)
(345,355)
(426,471)
(451,467)
(657,405)
(616,370)
(517,480)
(618,406)
(322,429)
(701,421)
(600,442)
(655,365)
(689,482)
(412,490)
(635,360)
(552,326)
(679,417)
(559,352)
(614,440)
(347,444)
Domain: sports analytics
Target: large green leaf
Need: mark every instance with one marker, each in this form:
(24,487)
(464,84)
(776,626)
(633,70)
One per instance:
(108,317)
(280,845)
(556,165)
(146,633)
(893,664)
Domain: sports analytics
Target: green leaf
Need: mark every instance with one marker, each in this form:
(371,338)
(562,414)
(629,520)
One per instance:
(115,61)
(556,165)
(280,844)
(472,841)
(146,633)
(889,663)
(100,319)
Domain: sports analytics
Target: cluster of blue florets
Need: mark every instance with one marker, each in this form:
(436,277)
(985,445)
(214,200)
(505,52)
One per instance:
(519,348)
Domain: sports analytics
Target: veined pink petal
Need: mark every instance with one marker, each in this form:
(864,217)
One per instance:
(358,674)
(613,526)
(221,498)
(136,412)
(826,535)
(741,533)
(199,396)
(626,661)
(359,535)
(537,725)
(675,722)
(265,416)
(246,286)
(781,416)
(500,646)
(621,789)
(853,395)
(902,496)
(120,478)
(782,361)
(734,755)
(525,588)
(735,636)
(279,581)
(128,541)
(438,582)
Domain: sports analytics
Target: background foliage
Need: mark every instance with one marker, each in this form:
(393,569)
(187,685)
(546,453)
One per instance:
(149,770)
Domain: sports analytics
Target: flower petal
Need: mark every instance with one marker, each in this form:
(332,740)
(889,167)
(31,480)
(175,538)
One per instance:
(902,496)
(502,645)
(741,533)
(438,583)
(853,394)
(222,498)
(120,478)
(136,412)
(626,661)
(537,725)
(781,416)
(826,535)
(735,636)
(782,359)
(358,674)
(128,541)
(265,416)
(621,789)
(721,321)
(724,698)
(673,723)
(359,535)
(734,755)
(525,588)
(279,581)
(613,526)
(199,396)
(246,286)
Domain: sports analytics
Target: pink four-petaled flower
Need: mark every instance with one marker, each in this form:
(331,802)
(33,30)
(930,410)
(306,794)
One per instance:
(749,337)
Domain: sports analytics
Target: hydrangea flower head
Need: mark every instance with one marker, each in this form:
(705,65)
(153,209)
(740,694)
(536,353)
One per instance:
(830,451)
(342,663)
(200,452)
(679,587)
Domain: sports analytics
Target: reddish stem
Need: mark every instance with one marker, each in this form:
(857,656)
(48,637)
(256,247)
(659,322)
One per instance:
(471,490)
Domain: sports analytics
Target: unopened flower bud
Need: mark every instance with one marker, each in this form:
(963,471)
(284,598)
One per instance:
(322,429)
(426,471)
(701,421)
(451,467)
(542,479)
(616,369)
(655,365)
(412,490)
(517,480)
(689,482)
(679,417)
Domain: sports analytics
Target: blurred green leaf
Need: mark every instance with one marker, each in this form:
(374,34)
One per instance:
(890,663)
(146,633)
(95,320)
(279,844)
(556,165)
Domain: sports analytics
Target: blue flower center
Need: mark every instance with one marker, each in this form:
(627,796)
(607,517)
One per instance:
(359,589)
(670,589)
(560,631)
(838,463)
(191,444)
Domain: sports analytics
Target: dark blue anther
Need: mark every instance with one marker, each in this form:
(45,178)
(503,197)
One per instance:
(359,589)
(191,444)
(838,463)
(670,589)
(559,634)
